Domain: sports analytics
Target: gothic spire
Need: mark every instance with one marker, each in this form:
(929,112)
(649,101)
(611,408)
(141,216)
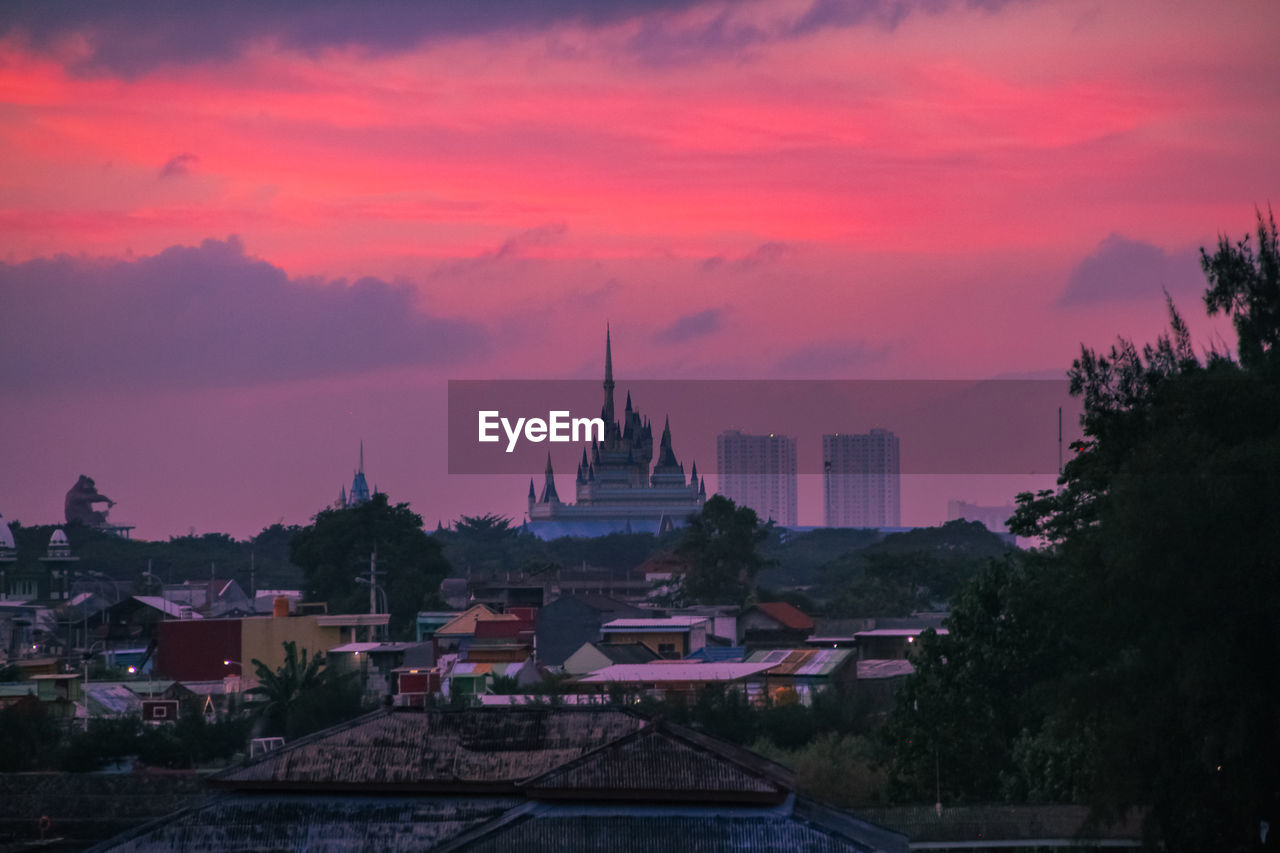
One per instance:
(533,496)
(549,487)
(607,411)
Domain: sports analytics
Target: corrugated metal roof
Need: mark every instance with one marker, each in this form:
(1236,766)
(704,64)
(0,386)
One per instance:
(898,632)
(690,671)
(166,606)
(871,669)
(669,623)
(810,662)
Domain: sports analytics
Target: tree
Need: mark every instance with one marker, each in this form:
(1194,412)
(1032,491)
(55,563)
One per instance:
(721,547)
(300,697)
(335,549)
(1132,661)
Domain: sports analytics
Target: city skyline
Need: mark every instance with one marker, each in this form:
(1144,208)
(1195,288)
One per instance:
(227,257)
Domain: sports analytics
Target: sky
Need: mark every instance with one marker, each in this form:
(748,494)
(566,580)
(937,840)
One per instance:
(237,240)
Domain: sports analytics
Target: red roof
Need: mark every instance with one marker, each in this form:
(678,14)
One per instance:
(786,615)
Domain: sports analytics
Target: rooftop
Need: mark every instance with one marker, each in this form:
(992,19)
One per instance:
(673,671)
(668,623)
(435,750)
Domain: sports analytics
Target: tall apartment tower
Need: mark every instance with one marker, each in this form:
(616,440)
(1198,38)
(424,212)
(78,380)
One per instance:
(759,471)
(860,479)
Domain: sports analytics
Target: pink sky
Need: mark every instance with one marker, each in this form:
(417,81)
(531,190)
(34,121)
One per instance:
(372,203)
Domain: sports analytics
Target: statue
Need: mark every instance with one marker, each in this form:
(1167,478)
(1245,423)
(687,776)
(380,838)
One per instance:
(80,500)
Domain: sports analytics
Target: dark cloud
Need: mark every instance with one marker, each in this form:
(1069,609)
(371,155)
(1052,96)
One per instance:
(207,316)
(824,14)
(691,326)
(132,37)
(178,166)
(823,359)
(764,255)
(1130,269)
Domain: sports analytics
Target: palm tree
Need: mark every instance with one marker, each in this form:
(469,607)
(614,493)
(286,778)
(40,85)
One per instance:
(283,691)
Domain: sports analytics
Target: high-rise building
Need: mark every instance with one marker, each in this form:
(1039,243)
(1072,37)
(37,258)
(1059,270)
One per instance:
(759,471)
(860,479)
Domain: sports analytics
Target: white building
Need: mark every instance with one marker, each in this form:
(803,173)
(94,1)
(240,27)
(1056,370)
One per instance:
(759,471)
(861,474)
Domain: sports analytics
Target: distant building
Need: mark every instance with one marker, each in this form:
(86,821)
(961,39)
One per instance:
(861,475)
(994,518)
(759,471)
(615,491)
(359,488)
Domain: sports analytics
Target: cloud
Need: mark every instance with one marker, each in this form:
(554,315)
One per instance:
(515,246)
(206,316)
(133,37)
(1131,269)
(764,255)
(824,359)
(691,326)
(178,166)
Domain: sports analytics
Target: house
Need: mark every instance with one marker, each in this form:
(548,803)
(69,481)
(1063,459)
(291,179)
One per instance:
(519,778)
(375,663)
(890,643)
(671,637)
(212,649)
(878,683)
(501,640)
(449,637)
(677,679)
(562,626)
(797,674)
(774,625)
(591,657)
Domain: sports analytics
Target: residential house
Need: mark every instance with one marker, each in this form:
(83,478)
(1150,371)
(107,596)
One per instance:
(671,637)
(509,779)
(591,657)
(773,625)
(562,626)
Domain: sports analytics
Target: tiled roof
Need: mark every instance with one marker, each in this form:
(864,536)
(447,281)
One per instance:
(787,615)
(667,763)
(637,829)
(487,749)
(240,822)
(996,823)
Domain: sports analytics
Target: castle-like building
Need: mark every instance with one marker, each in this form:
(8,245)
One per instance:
(359,488)
(615,490)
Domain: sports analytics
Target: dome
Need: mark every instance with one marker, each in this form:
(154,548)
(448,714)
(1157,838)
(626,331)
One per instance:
(6,536)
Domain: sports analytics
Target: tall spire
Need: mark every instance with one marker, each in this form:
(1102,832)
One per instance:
(607,412)
(362,456)
(549,487)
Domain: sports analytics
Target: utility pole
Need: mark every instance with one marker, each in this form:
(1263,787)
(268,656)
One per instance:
(372,581)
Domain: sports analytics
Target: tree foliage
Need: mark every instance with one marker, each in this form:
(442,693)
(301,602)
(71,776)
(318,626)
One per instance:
(721,547)
(300,697)
(335,549)
(1131,662)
